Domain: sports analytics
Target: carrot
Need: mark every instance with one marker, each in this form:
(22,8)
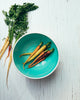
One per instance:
(7,39)
(37,48)
(37,62)
(38,52)
(23,66)
(4,49)
(46,53)
(25,54)
(42,53)
(41,57)
(10,60)
(8,52)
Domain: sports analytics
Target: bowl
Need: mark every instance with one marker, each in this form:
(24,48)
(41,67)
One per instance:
(27,44)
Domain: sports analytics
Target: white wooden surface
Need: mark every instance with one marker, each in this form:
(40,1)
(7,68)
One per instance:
(61,20)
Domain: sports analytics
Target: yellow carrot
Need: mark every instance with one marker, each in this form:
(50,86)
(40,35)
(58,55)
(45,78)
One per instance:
(7,39)
(10,60)
(4,49)
(25,54)
(38,52)
(37,48)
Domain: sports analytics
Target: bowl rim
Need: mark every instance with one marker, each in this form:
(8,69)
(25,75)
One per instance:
(56,47)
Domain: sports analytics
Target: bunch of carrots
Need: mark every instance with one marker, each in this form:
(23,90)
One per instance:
(38,55)
(17,21)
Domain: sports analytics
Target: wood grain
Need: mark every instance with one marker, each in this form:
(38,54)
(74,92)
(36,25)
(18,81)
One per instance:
(61,20)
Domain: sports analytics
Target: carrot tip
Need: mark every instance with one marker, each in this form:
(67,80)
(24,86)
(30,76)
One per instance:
(41,43)
(7,83)
(6,59)
(48,43)
(48,46)
(52,50)
(23,66)
(29,67)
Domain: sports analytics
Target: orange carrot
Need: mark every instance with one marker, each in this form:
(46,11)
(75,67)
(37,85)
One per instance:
(38,52)
(8,52)
(25,54)
(46,54)
(42,53)
(37,48)
(37,62)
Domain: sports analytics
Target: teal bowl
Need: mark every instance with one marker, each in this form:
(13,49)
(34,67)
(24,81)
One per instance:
(27,44)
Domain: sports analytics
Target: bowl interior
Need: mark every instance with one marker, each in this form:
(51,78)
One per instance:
(27,44)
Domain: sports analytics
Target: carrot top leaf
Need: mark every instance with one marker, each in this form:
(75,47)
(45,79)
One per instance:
(17,19)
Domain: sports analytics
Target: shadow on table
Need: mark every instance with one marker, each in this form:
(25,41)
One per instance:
(37,87)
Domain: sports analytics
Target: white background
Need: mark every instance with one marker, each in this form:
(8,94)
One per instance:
(61,20)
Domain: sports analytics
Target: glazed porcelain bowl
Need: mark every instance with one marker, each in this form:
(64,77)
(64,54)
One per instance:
(27,44)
